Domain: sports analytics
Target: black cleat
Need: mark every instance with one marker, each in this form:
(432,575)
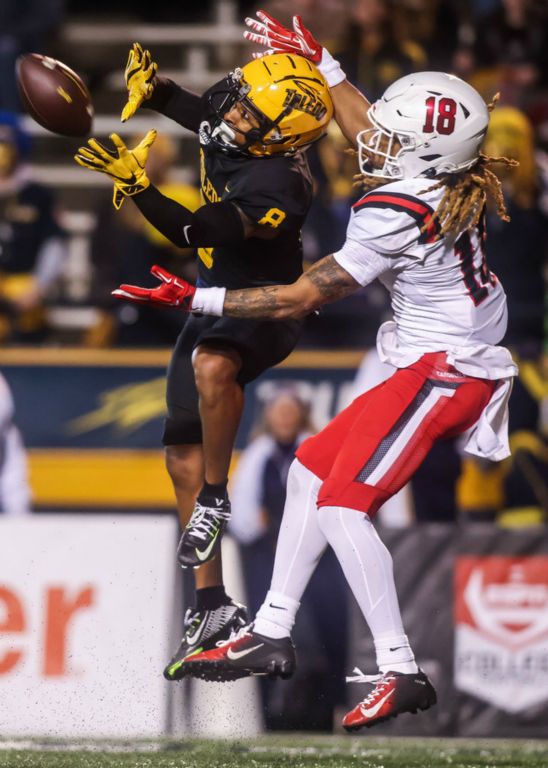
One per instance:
(202,631)
(393,693)
(201,539)
(248,653)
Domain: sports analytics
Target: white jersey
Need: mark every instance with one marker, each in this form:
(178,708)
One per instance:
(444,298)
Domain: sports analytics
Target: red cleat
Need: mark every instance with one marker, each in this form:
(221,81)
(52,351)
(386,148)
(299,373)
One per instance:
(393,694)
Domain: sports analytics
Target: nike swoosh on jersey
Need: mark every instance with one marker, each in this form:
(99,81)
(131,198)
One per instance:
(238,654)
(372,711)
(279,607)
(203,555)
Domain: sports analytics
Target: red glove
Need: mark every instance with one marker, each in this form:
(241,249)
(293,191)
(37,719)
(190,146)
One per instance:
(278,39)
(172,292)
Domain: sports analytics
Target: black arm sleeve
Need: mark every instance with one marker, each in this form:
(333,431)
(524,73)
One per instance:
(175,102)
(211,225)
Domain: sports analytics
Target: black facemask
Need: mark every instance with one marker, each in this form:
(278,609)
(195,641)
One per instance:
(221,134)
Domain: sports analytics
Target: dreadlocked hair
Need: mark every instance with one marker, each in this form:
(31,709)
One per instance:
(466,193)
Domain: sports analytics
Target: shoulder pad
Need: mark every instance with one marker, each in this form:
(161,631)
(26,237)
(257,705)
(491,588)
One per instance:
(394,210)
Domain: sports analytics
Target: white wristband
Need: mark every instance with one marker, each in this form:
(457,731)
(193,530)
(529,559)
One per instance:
(209,301)
(331,69)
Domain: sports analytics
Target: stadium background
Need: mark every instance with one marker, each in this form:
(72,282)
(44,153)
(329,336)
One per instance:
(85,582)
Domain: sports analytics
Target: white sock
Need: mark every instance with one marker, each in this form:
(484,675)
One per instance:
(394,654)
(276,616)
(300,545)
(367,566)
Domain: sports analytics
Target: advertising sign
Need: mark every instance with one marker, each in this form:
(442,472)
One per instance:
(501,630)
(85,606)
(92,420)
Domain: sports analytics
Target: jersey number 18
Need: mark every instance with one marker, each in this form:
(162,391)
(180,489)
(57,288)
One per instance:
(445,119)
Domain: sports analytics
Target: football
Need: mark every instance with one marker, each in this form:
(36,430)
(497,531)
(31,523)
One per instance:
(54,95)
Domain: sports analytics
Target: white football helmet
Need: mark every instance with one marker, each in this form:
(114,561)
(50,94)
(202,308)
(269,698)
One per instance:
(425,124)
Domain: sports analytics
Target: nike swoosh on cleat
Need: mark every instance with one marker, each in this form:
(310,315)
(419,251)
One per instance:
(193,639)
(203,555)
(372,711)
(233,655)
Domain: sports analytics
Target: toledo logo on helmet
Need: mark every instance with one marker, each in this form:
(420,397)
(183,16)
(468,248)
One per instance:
(307,100)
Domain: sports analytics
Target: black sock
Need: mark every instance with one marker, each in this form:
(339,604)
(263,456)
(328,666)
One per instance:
(210,598)
(214,489)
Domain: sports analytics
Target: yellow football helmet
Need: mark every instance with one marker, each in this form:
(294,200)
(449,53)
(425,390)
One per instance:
(287,96)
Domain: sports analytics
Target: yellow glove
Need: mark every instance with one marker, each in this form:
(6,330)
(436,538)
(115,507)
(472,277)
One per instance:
(126,167)
(139,75)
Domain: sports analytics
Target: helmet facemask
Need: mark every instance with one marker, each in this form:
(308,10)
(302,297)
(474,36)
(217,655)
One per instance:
(380,150)
(223,134)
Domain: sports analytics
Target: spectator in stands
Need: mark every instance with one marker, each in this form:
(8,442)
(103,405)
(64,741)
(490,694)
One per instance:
(526,475)
(32,243)
(124,245)
(436,26)
(14,487)
(509,51)
(258,496)
(24,26)
(510,133)
(514,492)
(515,36)
(485,487)
(376,50)
(258,487)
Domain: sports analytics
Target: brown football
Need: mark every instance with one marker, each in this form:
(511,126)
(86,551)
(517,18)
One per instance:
(54,95)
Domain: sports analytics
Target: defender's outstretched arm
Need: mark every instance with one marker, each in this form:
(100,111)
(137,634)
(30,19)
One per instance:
(324,282)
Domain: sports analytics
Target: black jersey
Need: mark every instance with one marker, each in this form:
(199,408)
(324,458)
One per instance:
(274,191)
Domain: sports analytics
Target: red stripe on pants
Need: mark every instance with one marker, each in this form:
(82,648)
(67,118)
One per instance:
(339,452)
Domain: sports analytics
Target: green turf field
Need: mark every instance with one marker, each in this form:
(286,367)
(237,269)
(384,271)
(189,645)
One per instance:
(278,752)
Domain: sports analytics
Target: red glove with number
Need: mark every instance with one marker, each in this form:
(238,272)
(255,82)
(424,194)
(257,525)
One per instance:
(278,39)
(172,292)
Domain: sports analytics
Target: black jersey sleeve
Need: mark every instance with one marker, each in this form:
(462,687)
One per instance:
(180,105)
(275,192)
(211,225)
